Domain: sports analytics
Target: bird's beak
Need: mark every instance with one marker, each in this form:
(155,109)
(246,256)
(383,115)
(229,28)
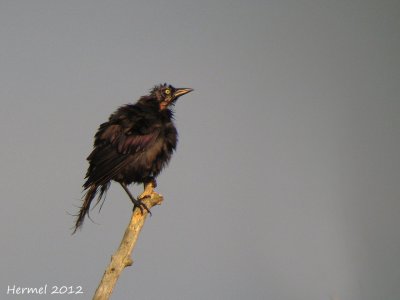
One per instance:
(181,91)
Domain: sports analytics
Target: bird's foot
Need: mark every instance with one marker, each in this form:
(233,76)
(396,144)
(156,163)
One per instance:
(139,204)
(149,186)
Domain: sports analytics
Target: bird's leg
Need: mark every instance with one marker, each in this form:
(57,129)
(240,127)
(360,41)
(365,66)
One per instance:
(136,202)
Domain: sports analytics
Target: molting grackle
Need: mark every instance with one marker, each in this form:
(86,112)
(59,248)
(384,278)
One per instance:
(133,146)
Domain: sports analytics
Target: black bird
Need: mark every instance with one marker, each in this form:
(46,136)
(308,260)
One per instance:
(133,146)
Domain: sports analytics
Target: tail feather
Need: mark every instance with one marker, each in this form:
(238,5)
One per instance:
(102,195)
(84,209)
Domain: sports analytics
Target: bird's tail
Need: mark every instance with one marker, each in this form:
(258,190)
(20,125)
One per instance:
(91,192)
(84,209)
(87,200)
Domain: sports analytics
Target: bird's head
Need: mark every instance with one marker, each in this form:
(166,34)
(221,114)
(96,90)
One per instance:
(166,95)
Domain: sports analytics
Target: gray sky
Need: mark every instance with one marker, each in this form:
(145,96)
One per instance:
(285,185)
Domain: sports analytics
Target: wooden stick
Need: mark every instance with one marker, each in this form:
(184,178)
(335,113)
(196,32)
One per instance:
(122,257)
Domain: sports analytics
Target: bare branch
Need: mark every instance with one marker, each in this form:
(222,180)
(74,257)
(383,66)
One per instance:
(122,257)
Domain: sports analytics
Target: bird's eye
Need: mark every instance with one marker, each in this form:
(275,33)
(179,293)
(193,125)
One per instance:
(167,91)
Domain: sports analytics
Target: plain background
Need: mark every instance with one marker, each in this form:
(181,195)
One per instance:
(285,185)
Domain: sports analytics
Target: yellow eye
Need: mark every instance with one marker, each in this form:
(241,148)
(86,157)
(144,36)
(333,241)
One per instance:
(167,91)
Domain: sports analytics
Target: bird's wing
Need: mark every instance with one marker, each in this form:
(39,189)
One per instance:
(127,140)
(115,146)
(130,143)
